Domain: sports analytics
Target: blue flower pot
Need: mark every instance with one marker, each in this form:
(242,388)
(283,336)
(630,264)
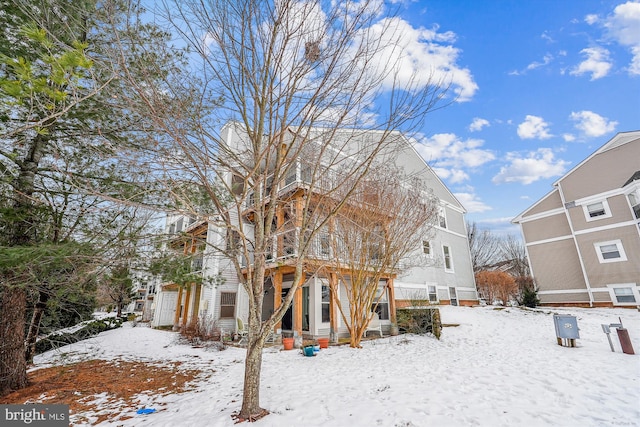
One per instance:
(308,351)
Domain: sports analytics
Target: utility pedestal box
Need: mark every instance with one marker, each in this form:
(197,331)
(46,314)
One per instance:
(566,329)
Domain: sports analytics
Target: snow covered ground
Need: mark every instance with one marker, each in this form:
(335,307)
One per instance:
(497,368)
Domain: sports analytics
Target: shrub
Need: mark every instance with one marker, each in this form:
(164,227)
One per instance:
(496,285)
(529,297)
(419,321)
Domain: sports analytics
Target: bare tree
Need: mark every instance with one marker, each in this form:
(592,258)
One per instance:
(513,251)
(293,81)
(379,231)
(484,247)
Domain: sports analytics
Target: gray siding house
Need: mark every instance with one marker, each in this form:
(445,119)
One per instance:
(583,238)
(444,276)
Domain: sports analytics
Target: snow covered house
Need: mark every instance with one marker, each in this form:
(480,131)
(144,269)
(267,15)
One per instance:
(444,277)
(583,237)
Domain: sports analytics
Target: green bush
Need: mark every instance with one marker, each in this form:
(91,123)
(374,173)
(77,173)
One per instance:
(529,297)
(91,329)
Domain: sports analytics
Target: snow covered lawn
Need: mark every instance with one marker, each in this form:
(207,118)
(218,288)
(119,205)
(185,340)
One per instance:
(497,368)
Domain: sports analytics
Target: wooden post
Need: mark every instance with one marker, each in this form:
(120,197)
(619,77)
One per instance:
(297,309)
(333,310)
(277,295)
(392,302)
(196,305)
(185,313)
(176,317)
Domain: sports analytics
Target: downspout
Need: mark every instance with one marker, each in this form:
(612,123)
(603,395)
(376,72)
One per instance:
(575,242)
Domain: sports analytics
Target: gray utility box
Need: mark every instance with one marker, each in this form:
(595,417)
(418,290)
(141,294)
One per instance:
(566,327)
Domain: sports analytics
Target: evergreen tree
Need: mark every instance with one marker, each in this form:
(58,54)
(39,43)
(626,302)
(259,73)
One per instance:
(66,145)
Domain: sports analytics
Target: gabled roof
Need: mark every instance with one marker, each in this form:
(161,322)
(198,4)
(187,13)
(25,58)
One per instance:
(619,139)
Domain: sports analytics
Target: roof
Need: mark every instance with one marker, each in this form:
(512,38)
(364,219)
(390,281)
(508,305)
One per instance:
(634,177)
(619,139)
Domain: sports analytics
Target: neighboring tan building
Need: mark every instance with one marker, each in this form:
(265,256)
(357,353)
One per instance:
(445,277)
(583,238)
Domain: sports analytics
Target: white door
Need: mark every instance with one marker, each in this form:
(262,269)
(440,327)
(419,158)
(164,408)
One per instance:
(168,308)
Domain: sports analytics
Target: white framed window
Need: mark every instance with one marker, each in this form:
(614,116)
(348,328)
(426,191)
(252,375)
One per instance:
(446,256)
(611,251)
(624,294)
(227,305)
(326,304)
(426,247)
(433,293)
(442,217)
(596,210)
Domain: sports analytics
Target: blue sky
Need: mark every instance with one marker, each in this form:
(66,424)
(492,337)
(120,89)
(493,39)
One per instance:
(542,84)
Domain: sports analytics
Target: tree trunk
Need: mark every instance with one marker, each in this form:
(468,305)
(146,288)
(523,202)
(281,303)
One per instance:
(13,366)
(251,410)
(34,327)
(22,232)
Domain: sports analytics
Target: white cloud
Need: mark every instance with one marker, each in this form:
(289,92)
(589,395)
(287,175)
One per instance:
(533,127)
(451,157)
(623,26)
(477,124)
(453,176)
(598,63)
(545,36)
(591,124)
(568,137)
(471,202)
(591,19)
(419,52)
(545,61)
(535,165)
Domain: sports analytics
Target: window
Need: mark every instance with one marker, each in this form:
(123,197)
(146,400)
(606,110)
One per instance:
(383,305)
(624,295)
(634,201)
(426,247)
(448,263)
(442,217)
(326,312)
(433,293)
(597,210)
(227,304)
(610,251)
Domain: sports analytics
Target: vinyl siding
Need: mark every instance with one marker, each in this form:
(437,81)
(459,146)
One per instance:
(555,265)
(603,172)
(546,228)
(601,274)
(620,212)
(577,297)
(550,202)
